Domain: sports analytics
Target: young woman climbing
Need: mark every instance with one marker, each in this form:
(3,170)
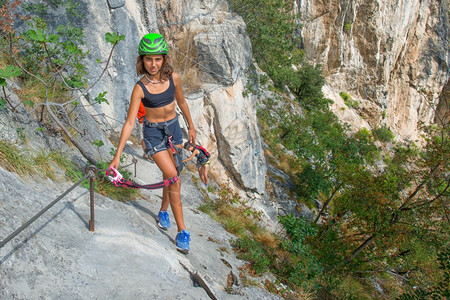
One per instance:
(202,156)
(160,90)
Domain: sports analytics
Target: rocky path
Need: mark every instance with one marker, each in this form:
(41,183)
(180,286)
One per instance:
(126,257)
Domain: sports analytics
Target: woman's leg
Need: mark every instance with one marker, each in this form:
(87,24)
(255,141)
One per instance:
(205,173)
(171,194)
(200,172)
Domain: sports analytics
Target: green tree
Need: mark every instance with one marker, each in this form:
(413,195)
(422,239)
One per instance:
(51,60)
(273,28)
(308,87)
(394,221)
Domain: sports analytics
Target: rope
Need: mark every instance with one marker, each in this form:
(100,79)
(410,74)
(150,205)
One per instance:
(119,181)
(15,233)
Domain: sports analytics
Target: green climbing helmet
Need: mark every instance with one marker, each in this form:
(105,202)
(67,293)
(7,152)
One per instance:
(153,43)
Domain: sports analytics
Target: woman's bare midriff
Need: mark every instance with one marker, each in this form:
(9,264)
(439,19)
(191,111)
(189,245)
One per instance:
(161,114)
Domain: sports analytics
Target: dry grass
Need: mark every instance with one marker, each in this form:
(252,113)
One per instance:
(33,90)
(13,160)
(267,238)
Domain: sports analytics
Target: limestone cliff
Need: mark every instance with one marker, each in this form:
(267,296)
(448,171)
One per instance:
(127,256)
(390,55)
(210,48)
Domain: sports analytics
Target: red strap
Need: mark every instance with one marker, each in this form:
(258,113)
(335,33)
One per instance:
(171,144)
(118,180)
(153,186)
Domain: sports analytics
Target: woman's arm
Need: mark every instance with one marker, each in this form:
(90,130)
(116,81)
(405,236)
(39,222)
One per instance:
(195,152)
(128,127)
(182,104)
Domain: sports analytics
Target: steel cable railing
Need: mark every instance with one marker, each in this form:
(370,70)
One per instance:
(91,172)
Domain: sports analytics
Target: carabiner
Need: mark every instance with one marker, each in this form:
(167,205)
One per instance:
(116,178)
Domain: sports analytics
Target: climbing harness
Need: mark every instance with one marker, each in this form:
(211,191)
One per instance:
(167,138)
(117,179)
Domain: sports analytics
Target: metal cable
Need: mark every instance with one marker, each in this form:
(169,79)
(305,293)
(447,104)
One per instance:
(15,233)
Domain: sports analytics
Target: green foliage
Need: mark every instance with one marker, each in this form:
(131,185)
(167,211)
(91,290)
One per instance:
(71,171)
(325,150)
(21,134)
(98,143)
(9,71)
(372,215)
(254,252)
(347,26)
(298,229)
(234,213)
(42,9)
(113,151)
(274,37)
(348,100)
(438,290)
(39,36)
(308,87)
(28,102)
(344,96)
(46,53)
(364,134)
(44,163)
(16,160)
(113,38)
(380,215)
(383,134)
(101,98)
(103,186)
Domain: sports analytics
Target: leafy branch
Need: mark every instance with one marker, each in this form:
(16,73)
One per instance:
(55,63)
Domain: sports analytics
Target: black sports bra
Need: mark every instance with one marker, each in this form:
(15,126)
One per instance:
(158,100)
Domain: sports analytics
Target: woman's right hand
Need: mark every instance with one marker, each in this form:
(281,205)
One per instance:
(114,163)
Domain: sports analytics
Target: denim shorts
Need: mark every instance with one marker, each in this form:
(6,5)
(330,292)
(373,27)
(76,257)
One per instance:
(154,136)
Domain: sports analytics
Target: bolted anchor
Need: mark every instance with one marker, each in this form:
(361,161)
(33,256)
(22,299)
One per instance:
(92,171)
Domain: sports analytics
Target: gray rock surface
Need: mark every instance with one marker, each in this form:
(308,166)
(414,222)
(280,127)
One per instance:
(116,3)
(395,70)
(126,257)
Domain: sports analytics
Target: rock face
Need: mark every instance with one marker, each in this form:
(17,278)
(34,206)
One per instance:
(127,256)
(233,126)
(391,56)
(225,120)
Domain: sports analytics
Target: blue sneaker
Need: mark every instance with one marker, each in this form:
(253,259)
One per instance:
(164,221)
(182,241)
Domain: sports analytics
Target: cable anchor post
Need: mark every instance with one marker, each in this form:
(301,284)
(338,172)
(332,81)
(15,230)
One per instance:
(135,161)
(92,171)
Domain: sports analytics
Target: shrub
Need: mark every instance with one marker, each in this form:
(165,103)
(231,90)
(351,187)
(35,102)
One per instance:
(383,134)
(348,100)
(254,252)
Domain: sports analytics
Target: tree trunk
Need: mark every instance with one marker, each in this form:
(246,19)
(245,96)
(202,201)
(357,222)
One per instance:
(325,205)
(72,139)
(366,243)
